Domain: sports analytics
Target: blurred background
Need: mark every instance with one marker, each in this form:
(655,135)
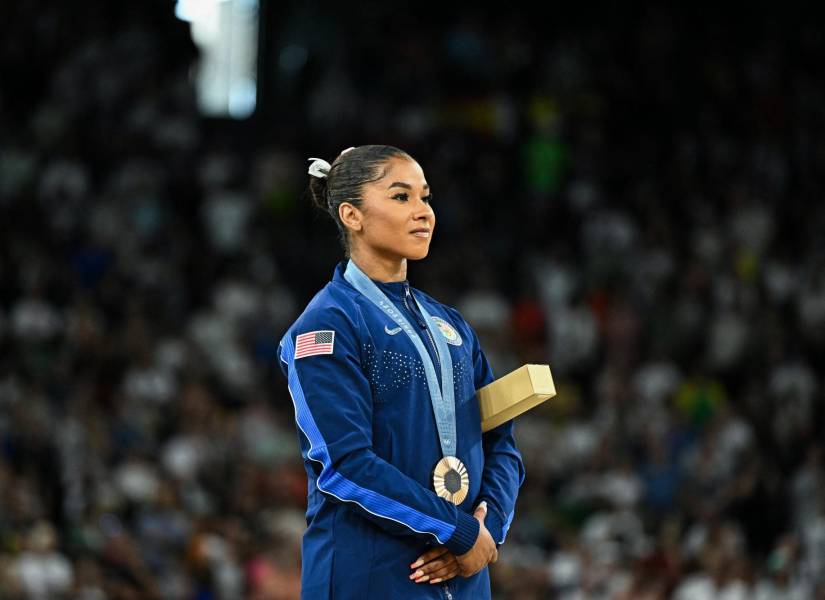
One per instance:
(633,195)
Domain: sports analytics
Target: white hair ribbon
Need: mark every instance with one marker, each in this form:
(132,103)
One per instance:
(319,168)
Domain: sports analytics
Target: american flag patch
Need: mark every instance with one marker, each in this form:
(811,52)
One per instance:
(314,342)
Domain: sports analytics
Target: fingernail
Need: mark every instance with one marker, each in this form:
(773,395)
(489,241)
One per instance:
(417,564)
(423,579)
(418,573)
(436,580)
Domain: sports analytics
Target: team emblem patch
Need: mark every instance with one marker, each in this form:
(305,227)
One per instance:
(450,334)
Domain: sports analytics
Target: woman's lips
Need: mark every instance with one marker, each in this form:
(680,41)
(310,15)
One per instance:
(422,233)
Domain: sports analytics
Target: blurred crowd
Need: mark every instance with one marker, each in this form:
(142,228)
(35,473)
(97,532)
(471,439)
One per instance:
(634,199)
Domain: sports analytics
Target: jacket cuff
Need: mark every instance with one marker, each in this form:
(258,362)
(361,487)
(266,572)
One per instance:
(465,535)
(494,524)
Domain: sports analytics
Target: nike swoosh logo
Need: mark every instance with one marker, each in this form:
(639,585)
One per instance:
(391,331)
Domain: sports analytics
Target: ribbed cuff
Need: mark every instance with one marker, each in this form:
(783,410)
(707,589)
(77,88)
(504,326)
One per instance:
(465,535)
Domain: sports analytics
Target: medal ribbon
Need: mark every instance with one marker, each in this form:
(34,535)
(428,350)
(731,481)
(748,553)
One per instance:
(441,398)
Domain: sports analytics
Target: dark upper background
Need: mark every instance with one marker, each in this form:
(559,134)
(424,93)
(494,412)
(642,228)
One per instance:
(632,195)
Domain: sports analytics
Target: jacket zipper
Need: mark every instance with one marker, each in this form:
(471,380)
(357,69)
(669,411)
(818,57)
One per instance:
(447,594)
(423,325)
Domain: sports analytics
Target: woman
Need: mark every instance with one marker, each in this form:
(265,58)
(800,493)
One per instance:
(406,498)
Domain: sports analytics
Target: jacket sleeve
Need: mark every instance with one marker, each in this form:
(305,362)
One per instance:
(333,411)
(503,465)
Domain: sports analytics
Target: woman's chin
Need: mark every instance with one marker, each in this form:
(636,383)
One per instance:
(418,253)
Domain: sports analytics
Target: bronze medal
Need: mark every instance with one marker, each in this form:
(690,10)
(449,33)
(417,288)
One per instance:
(451,480)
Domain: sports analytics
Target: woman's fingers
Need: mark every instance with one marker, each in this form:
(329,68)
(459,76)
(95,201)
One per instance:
(446,577)
(426,570)
(446,572)
(428,556)
(441,568)
(480,512)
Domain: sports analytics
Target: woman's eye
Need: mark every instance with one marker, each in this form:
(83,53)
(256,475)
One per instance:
(403,197)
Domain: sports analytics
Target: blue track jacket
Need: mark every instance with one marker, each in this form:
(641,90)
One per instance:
(369,443)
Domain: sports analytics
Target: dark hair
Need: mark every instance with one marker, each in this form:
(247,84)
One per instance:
(348,174)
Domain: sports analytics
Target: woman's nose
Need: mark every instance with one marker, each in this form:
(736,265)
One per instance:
(423,209)
(423,212)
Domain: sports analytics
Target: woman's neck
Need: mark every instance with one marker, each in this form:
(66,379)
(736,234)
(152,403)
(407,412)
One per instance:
(379,268)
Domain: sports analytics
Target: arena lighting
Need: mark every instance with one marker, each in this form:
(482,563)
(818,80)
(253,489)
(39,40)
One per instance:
(226,32)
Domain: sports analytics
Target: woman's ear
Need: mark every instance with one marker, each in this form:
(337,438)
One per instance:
(351,216)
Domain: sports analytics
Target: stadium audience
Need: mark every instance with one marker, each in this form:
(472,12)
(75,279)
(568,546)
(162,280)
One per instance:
(634,199)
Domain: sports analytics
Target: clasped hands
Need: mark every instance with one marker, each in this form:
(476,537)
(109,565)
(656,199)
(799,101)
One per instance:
(439,564)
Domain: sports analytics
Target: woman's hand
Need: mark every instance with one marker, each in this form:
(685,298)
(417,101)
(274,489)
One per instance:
(439,564)
(483,552)
(435,566)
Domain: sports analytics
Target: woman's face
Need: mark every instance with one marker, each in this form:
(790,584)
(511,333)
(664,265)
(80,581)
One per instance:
(396,219)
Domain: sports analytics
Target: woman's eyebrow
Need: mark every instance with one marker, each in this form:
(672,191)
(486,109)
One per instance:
(401,184)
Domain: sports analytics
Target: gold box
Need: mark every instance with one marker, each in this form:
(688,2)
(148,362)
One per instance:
(515,393)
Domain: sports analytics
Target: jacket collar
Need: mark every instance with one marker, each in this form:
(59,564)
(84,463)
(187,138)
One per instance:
(390,288)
